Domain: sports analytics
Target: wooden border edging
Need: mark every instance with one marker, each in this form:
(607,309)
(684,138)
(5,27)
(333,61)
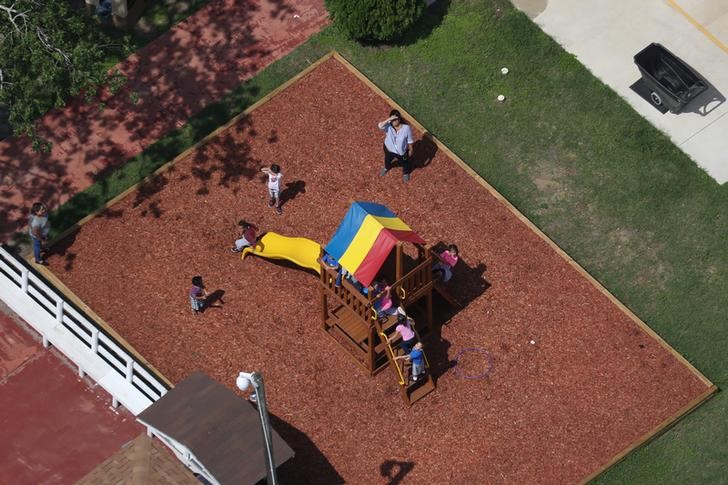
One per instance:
(670,421)
(656,432)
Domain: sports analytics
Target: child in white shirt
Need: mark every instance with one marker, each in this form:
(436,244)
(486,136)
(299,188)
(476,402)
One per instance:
(274,186)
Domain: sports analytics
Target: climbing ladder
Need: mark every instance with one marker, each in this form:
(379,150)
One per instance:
(411,391)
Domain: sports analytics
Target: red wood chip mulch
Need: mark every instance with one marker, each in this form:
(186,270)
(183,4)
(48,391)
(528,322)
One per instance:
(593,383)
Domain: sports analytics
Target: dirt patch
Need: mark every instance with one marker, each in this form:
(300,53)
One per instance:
(555,410)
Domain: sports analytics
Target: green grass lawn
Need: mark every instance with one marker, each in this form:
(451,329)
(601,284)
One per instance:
(575,158)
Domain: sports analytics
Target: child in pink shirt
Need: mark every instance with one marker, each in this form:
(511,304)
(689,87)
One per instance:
(448,259)
(406,328)
(383,304)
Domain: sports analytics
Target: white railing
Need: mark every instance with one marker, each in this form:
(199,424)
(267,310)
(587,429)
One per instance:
(77,336)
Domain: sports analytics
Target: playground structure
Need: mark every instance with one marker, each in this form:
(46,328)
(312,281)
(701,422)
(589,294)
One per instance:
(362,245)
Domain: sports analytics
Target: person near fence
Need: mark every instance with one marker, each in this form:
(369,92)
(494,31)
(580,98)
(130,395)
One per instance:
(198,295)
(39,229)
(397,144)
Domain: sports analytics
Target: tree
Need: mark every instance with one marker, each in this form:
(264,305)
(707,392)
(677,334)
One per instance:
(48,52)
(374,20)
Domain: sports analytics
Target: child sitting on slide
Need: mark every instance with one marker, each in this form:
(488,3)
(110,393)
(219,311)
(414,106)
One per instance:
(248,236)
(448,259)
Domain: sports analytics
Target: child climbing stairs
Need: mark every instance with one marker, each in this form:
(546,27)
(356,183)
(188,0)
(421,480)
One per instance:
(412,388)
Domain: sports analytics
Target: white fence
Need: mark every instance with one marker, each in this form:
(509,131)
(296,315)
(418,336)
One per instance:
(80,339)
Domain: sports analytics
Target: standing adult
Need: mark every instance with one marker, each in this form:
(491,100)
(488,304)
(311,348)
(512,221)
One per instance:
(397,144)
(39,227)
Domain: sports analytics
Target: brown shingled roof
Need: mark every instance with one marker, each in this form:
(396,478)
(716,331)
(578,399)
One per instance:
(222,430)
(141,461)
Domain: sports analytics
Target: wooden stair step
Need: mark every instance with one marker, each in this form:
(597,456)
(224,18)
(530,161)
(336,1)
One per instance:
(389,324)
(417,391)
(349,323)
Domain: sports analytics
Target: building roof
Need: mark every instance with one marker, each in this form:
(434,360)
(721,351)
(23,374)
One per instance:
(221,430)
(141,461)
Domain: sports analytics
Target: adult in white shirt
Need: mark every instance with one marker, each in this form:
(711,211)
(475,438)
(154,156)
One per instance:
(397,144)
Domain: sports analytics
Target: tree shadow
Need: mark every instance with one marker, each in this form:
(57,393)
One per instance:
(173,92)
(394,471)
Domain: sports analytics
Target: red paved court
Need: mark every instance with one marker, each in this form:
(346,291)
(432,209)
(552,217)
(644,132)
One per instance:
(54,428)
(174,77)
(575,380)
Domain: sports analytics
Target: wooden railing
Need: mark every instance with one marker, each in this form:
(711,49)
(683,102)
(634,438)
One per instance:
(415,283)
(410,287)
(347,294)
(85,342)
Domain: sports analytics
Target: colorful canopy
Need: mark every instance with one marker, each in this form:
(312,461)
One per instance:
(365,237)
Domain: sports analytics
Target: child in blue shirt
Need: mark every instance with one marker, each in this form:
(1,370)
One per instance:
(417,357)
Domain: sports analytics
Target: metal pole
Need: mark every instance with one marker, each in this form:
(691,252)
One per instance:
(257,380)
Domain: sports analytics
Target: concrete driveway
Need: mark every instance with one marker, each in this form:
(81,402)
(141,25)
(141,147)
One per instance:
(606,34)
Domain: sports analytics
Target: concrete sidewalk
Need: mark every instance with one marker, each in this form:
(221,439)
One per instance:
(605,35)
(194,64)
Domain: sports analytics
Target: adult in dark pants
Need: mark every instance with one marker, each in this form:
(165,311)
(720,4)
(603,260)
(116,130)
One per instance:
(397,144)
(38,230)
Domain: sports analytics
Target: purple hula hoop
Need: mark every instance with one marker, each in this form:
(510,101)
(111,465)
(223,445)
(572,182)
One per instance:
(480,351)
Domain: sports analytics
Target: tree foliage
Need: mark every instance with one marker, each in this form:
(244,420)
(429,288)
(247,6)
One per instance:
(374,20)
(48,52)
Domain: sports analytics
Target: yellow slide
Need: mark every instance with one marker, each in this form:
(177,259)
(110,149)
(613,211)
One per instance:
(298,250)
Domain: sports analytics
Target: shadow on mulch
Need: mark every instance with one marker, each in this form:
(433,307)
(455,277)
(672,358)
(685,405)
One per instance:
(394,471)
(309,465)
(63,249)
(423,151)
(436,349)
(292,190)
(214,300)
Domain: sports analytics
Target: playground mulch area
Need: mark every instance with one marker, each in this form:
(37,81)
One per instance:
(559,379)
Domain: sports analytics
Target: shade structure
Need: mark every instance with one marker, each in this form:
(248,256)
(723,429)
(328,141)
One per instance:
(365,237)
